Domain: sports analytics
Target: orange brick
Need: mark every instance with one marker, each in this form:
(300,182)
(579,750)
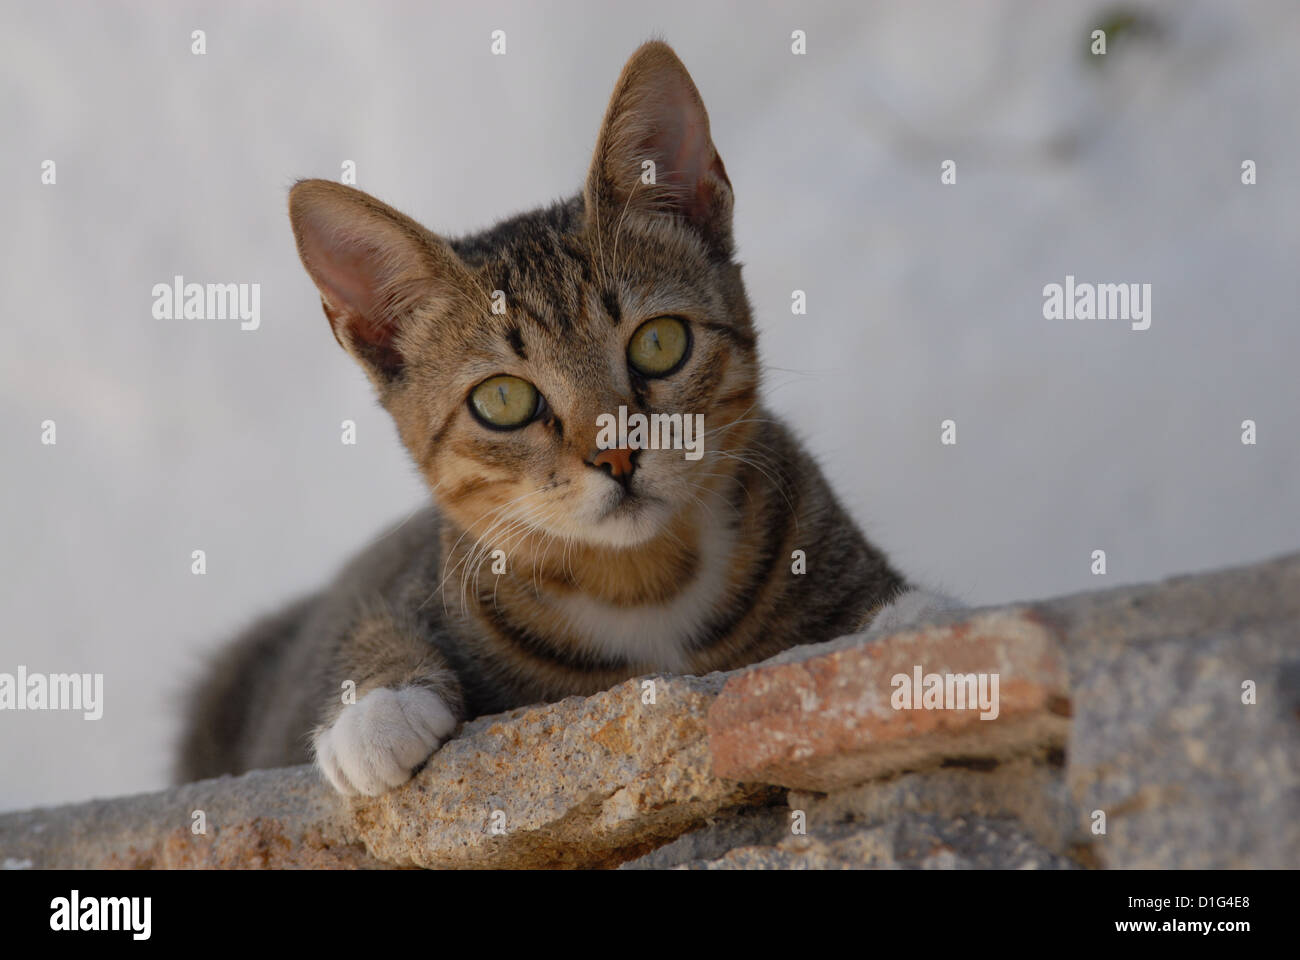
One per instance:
(828,721)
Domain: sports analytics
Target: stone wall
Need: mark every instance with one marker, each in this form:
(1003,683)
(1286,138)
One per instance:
(1154,726)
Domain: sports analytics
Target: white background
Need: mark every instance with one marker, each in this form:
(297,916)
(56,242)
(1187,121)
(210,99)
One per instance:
(925,301)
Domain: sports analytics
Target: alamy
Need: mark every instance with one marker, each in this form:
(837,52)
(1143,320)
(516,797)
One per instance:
(1098,301)
(179,300)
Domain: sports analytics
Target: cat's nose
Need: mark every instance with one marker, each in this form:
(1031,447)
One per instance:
(620,460)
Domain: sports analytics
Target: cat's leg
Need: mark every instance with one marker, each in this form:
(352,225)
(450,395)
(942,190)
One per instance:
(407,703)
(909,608)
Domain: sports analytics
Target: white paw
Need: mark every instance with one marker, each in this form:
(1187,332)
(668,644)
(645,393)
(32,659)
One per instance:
(377,742)
(912,607)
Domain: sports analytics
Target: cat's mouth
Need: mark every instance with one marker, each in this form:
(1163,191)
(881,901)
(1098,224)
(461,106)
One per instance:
(628,503)
(628,517)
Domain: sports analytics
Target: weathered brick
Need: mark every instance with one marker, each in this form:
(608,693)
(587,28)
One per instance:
(824,719)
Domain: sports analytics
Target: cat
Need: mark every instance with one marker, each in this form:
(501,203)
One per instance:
(548,566)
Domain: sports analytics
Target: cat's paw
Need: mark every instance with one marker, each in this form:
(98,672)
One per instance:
(910,608)
(377,742)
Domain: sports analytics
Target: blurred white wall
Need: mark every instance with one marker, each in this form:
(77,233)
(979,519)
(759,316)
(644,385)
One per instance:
(925,301)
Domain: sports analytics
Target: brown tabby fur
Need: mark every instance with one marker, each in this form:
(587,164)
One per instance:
(422,605)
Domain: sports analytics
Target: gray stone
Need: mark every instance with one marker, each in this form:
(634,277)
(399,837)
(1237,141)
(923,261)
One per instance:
(741,828)
(911,841)
(1187,775)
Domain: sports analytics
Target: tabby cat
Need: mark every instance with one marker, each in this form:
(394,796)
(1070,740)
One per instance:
(549,565)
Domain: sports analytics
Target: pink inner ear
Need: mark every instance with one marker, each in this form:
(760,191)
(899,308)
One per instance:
(679,140)
(690,145)
(347,273)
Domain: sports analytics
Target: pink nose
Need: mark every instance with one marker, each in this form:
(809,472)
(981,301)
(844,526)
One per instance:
(619,460)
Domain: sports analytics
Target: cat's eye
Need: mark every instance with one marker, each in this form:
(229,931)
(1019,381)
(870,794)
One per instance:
(505,402)
(659,346)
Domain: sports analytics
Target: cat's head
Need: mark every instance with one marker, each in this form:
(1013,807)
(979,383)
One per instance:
(497,354)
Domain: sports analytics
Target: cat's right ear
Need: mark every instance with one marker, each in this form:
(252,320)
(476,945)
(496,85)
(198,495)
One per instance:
(655,155)
(375,269)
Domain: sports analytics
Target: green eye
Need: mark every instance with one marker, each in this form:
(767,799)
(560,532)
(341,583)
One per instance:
(659,346)
(505,402)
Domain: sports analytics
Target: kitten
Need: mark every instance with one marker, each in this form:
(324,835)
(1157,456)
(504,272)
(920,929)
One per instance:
(612,562)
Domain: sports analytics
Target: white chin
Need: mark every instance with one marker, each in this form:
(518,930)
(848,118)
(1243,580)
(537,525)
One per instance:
(627,528)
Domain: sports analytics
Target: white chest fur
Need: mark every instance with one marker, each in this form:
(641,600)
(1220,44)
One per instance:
(655,635)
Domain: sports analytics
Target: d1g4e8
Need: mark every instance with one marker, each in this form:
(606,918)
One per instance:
(1164,903)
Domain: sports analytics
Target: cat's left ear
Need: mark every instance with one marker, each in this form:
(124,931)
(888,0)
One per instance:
(377,271)
(654,154)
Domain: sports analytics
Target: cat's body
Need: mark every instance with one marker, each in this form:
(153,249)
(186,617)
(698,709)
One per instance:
(552,565)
